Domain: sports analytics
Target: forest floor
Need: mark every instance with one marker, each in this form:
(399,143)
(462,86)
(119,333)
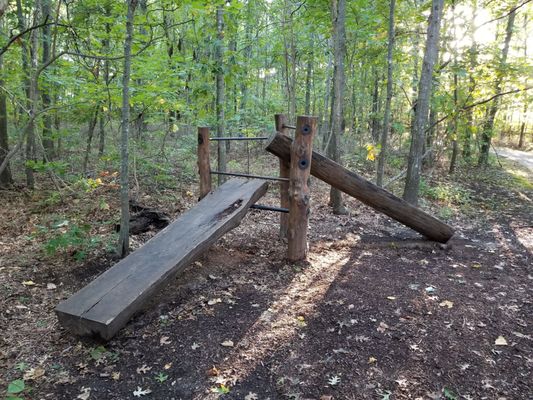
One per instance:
(377,312)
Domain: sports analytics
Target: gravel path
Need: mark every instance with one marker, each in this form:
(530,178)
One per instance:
(523,157)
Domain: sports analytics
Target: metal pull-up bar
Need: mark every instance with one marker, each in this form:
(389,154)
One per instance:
(238,138)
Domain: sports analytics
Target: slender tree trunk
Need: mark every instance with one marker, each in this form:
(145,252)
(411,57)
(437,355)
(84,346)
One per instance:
(48,142)
(488,126)
(90,135)
(6,178)
(455,144)
(324,114)
(220,92)
(374,122)
(422,104)
(124,235)
(386,118)
(472,61)
(309,75)
(338,13)
(29,64)
(521,140)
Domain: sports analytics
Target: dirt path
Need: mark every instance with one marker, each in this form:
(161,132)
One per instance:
(523,157)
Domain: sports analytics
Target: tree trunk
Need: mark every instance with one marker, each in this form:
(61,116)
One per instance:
(521,140)
(374,122)
(472,61)
(90,135)
(386,117)
(6,178)
(488,126)
(124,237)
(309,75)
(455,144)
(48,143)
(412,181)
(219,56)
(338,13)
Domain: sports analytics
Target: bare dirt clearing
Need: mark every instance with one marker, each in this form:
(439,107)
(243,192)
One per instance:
(376,313)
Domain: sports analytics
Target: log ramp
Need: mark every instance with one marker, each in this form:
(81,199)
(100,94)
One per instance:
(356,186)
(106,304)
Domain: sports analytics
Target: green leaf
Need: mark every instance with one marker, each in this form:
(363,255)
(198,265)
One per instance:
(16,386)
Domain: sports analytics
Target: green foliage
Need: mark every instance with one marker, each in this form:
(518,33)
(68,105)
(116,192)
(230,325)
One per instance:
(66,237)
(161,377)
(14,389)
(445,193)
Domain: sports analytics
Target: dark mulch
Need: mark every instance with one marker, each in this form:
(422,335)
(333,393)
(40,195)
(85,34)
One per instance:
(377,312)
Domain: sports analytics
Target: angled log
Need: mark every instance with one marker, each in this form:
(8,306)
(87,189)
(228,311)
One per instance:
(356,186)
(105,305)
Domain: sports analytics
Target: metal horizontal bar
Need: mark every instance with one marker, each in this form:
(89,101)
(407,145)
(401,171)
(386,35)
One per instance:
(270,208)
(289,126)
(238,138)
(271,178)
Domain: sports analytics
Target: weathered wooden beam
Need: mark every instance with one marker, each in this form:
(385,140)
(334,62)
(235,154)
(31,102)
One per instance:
(284,168)
(299,195)
(106,304)
(356,186)
(204,167)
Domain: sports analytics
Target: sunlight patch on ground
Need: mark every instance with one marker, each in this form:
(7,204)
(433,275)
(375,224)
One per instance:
(281,321)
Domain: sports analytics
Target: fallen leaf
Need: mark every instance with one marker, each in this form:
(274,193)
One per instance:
(141,392)
(85,393)
(334,380)
(167,366)
(446,303)
(500,341)
(227,343)
(28,283)
(372,360)
(51,286)
(391,297)
(164,340)
(326,397)
(33,374)
(195,346)
(214,301)
(401,382)
(251,396)
(144,369)
(213,372)
(115,376)
(382,327)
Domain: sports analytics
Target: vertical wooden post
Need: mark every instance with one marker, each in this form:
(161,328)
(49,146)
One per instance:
(284,168)
(204,167)
(299,196)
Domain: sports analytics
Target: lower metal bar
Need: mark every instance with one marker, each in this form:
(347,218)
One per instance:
(238,138)
(271,178)
(270,208)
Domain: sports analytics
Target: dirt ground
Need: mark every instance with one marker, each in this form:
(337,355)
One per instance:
(377,312)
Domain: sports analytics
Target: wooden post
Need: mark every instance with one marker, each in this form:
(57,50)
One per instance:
(299,196)
(204,168)
(284,168)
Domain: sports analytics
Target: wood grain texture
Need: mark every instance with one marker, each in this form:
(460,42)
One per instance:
(284,172)
(204,166)
(356,186)
(105,305)
(299,195)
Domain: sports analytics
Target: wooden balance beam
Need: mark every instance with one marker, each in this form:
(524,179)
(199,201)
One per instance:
(106,304)
(356,186)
